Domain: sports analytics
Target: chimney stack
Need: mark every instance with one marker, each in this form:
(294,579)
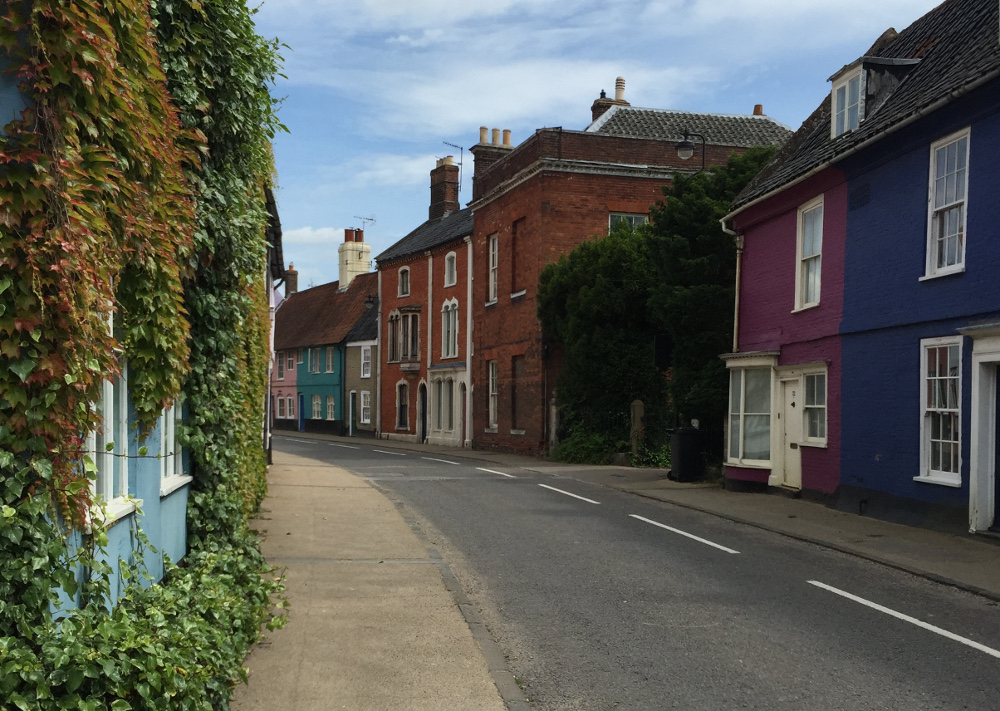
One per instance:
(487,153)
(758,109)
(444,189)
(355,257)
(291,280)
(601,105)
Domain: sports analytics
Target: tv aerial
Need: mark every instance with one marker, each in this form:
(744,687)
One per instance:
(365,220)
(461,157)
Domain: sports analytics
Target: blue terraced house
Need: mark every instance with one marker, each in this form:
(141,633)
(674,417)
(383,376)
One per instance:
(913,126)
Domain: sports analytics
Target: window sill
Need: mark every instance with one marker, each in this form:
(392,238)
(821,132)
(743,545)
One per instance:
(172,483)
(490,430)
(402,429)
(517,295)
(115,511)
(940,481)
(490,303)
(448,286)
(943,273)
(754,464)
(816,444)
(807,307)
(517,432)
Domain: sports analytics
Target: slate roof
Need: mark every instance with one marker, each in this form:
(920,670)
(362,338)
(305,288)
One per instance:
(430,234)
(322,315)
(667,125)
(957,46)
(366,328)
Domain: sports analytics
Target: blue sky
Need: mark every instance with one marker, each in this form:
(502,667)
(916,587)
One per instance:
(376,87)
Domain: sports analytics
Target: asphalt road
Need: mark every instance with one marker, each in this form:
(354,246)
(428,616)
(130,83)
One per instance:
(604,600)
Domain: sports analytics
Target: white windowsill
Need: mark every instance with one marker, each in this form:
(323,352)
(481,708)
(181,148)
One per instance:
(491,302)
(800,309)
(818,444)
(755,464)
(943,273)
(941,481)
(490,430)
(172,483)
(115,510)
(517,432)
(517,294)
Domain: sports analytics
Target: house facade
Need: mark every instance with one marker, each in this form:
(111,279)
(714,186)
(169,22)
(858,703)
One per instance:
(426,323)
(361,357)
(311,331)
(902,159)
(537,201)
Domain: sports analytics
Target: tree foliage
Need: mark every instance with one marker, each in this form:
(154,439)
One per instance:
(692,300)
(592,304)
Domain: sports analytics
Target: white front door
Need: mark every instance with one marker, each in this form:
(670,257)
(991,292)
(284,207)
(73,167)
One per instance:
(984,468)
(791,433)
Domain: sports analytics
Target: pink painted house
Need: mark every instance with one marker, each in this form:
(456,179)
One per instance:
(284,393)
(784,417)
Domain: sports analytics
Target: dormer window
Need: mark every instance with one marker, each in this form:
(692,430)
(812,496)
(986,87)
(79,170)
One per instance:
(847,103)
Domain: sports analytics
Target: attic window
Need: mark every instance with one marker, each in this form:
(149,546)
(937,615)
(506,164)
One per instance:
(848,105)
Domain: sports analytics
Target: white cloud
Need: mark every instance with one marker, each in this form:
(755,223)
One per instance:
(309,235)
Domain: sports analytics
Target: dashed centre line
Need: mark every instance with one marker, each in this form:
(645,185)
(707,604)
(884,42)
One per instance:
(491,471)
(684,533)
(345,446)
(445,461)
(582,498)
(385,451)
(906,618)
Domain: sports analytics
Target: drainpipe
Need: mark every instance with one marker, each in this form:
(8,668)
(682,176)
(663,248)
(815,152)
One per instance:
(738,239)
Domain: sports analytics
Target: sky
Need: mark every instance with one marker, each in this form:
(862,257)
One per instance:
(376,89)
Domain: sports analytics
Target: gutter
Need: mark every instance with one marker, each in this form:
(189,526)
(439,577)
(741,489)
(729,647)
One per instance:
(920,113)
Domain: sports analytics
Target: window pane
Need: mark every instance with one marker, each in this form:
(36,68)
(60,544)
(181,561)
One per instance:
(854,86)
(734,436)
(852,117)
(757,439)
(735,391)
(758,391)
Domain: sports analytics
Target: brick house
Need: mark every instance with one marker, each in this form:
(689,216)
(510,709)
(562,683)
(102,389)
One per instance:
(867,350)
(535,202)
(425,292)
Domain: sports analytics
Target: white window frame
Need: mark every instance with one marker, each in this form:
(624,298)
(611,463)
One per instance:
(449,329)
(493,242)
(114,394)
(298,356)
(403,282)
(818,441)
(634,219)
(290,360)
(331,408)
(402,406)
(281,407)
(961,201)
(493,378)
(804,261)
(438,405)
(317,407)
(450,269)
(172,475)
(291,407)
(314,360)
(844,83)
(366,361)
(366,407)
(329,358)
(449,404)
(927,474)
(739,459)
(281,366)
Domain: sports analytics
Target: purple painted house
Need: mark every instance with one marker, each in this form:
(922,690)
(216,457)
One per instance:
(785,367)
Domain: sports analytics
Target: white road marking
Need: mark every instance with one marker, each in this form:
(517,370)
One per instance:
(345,446)
(432,459)
(589,501)
(684,533)
(906,618)
(304,441)
(509,476)
(382,451)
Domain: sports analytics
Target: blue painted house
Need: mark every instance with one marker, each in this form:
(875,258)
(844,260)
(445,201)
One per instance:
(914,128)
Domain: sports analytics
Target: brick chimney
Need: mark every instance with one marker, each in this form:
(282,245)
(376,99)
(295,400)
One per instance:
(291,280)
(602,104)
(486,153)
(444,189)
(355,257)
(758,109)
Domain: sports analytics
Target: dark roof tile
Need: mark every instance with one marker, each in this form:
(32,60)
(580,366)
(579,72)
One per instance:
(430,234)
(667,125)
(323,315)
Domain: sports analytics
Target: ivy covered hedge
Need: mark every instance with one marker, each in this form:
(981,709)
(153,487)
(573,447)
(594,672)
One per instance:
(134,185)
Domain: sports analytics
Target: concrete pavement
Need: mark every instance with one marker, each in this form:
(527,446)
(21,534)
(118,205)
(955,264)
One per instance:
(371,623)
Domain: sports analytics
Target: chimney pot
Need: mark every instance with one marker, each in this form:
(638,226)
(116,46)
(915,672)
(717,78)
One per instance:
(359,235)
(506,137)
(484,134)
(496,136)
(620,89)
(348,235)
(758,110)
(291,280)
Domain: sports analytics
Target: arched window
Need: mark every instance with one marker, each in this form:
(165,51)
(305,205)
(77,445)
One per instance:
(450,269)
(449,329)
(404,282)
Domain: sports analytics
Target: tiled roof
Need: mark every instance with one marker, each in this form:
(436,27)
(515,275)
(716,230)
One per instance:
(430,234)
(322,315)
(957,46)
(366,328)
(667,125)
